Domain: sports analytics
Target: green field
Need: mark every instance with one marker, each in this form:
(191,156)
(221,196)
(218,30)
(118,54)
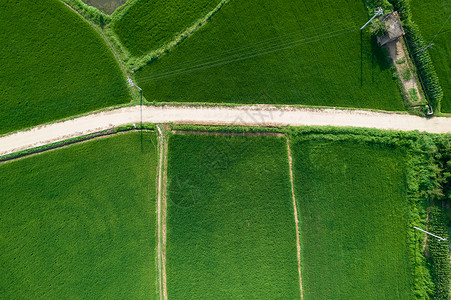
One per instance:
(148,24)
(433,18)
(230,224)
(79,222)
(53,65)
(233,58)
(354,220)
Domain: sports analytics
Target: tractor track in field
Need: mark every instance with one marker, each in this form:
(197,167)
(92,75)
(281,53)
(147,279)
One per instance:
(246,115)
(296,218)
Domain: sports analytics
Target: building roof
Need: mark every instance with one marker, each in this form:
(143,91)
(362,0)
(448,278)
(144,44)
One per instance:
(394,30)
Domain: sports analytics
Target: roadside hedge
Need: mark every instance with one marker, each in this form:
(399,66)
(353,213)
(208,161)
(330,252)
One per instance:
(439,260)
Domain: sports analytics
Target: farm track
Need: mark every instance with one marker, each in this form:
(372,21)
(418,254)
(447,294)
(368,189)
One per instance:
(296,217)
(256,115)
(161,214)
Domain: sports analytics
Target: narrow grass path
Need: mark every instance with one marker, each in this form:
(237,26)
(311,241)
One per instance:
(296,218)
(160,245)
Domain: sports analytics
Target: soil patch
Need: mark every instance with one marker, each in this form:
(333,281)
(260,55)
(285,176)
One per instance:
(105,6)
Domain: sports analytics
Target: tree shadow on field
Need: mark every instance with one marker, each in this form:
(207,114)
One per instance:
(379,58)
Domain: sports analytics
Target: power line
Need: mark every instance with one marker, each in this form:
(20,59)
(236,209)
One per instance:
(441,28)
(276,38)
(246,55)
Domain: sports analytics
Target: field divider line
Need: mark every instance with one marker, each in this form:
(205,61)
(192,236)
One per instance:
(296,219)
(162,205)
(159,197)
(225,133)
(164,213)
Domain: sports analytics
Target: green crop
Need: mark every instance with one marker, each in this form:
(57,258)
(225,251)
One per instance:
(79,222)
(277,51)
(230,224)
(53,65)
(354,212)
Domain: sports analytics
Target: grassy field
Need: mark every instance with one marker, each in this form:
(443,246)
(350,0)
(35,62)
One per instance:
(230,225)
(237,58)
(53,65)
(433,18)
(79,222)
(148,24)
(354,212)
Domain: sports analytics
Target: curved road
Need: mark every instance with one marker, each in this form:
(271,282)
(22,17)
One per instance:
(258,115)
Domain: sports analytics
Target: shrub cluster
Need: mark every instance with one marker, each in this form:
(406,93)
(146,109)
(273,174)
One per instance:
(421,59)
(89,12)
(439,260)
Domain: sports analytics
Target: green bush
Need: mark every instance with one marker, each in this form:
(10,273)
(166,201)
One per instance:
(439,260)
(406,74)
(378,27)
(413,95)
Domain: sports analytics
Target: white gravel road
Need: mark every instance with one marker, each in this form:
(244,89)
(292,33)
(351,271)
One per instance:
(244,115)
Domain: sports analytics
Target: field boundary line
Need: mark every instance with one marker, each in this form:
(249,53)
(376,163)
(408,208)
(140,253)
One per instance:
(159,247)
(161,213)
(223,133)
(296,218)
(104,38)
(139,62)
(164,213)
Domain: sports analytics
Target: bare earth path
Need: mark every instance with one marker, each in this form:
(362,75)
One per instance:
(296,218)
(244,115)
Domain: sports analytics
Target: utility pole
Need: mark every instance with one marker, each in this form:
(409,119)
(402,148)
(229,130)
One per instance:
(131,83)
(440,238)
(379,11)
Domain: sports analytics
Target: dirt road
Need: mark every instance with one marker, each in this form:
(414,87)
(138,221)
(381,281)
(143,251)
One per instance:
(244,115)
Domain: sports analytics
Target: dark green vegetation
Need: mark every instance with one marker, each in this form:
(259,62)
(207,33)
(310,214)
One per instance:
(53,65)
(416,45)
(439,219)
(233,58)
(433,19)
(352,199)
(146,25)
(439,255)
(79,222)
(230,224)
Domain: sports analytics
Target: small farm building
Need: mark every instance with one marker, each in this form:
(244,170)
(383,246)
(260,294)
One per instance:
(394,30)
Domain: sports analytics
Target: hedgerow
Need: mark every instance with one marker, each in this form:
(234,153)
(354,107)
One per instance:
(438,250)
(422,59)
